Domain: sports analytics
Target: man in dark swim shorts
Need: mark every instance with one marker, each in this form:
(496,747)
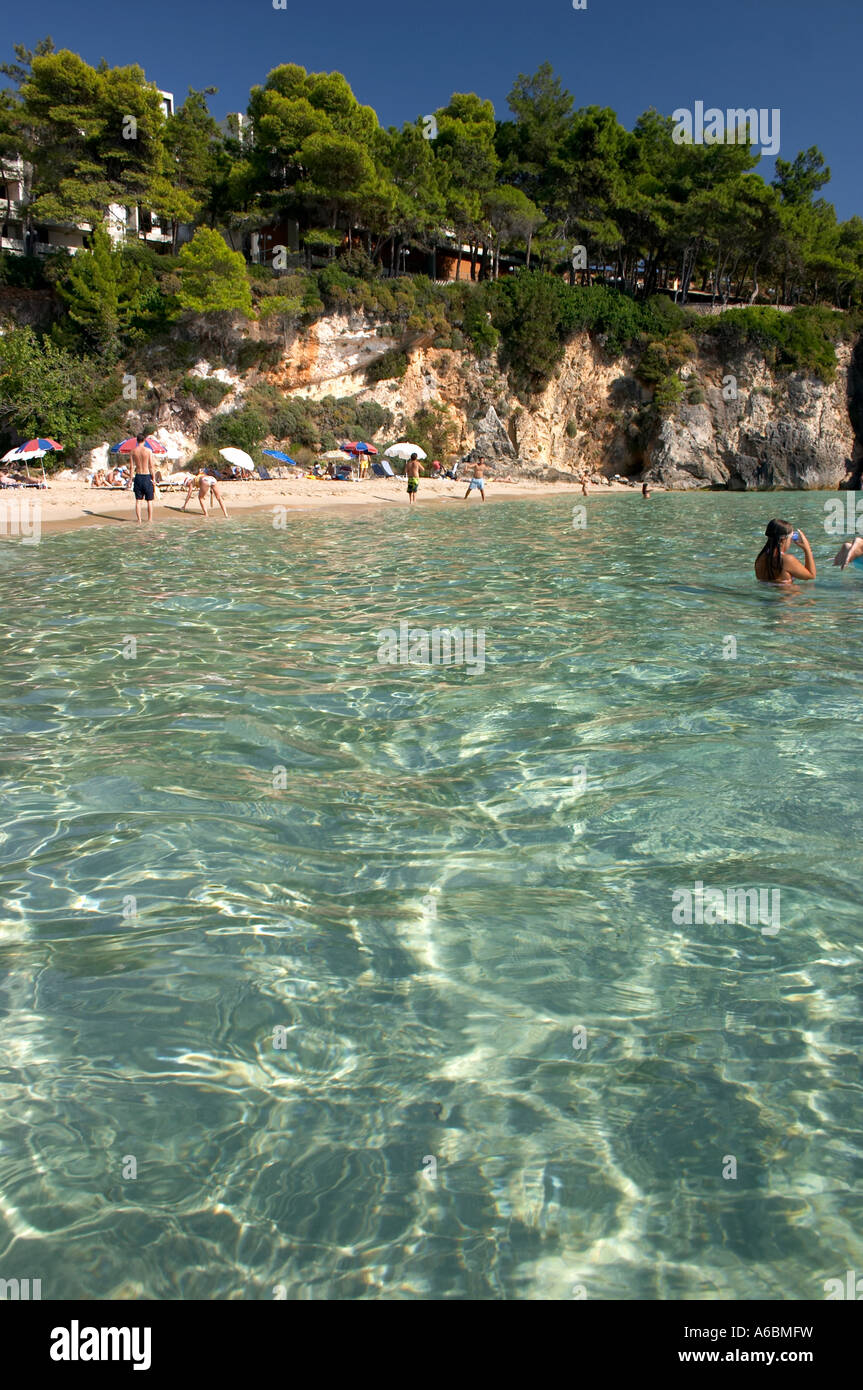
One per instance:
(142,477)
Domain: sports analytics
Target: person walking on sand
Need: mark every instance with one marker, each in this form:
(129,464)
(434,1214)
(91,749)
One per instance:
(477,480)
(141,477)
(208,488)
(774,565)
(412,473)
(584,484)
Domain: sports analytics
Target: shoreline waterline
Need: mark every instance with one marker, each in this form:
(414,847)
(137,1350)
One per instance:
(72,504)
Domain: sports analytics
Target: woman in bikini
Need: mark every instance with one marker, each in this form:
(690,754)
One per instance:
(774,565)
(208,488)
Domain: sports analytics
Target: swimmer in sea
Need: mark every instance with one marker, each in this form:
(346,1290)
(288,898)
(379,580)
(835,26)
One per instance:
(774,565)
(848,551)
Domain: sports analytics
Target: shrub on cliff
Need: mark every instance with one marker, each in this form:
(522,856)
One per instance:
(242,429)
(432,429)
(207,391)
(389,366)
(804,340)
(535,314)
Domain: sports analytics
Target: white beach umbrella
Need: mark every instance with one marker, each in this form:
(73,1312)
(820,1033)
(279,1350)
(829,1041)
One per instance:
(239,459)
(404,451)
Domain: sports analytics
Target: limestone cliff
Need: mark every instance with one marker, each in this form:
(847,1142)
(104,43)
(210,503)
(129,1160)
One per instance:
(774,431)
(753,428)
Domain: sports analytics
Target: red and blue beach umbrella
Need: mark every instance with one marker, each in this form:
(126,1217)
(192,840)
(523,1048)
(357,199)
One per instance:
(33,449)
(127,445)
(359,448)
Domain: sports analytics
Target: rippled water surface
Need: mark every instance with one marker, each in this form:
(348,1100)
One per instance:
(251,824)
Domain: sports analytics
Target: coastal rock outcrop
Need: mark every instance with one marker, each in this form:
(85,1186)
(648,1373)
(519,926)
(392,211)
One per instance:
(775,432)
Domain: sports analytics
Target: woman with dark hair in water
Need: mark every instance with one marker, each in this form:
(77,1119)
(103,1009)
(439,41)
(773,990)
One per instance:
(774,565)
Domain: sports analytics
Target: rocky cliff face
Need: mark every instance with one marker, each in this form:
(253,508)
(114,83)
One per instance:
(753,429)
(757,430)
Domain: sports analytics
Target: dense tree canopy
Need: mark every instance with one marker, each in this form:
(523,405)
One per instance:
(647,213)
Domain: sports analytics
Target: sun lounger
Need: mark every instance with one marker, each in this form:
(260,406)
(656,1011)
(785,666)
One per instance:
(382,469)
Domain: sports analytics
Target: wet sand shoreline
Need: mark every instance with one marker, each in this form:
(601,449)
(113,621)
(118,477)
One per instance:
(69,504)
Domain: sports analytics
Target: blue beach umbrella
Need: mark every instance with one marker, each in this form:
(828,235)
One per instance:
(277,454)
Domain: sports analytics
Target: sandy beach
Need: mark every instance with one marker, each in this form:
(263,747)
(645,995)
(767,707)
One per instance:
(69,502)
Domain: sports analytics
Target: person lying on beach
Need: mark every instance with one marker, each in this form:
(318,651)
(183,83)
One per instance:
(774,565)
(848,551)
(99,478)
(208,488)
(476,481)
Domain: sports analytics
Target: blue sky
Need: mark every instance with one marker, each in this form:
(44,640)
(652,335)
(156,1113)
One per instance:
(405,59)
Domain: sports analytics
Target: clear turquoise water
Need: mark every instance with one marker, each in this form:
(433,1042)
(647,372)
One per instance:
(429,909)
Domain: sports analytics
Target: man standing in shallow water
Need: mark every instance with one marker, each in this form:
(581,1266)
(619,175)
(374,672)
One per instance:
(141,475)
(477,480)
(412,473)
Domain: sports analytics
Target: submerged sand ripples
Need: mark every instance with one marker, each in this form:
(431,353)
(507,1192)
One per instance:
(394,867)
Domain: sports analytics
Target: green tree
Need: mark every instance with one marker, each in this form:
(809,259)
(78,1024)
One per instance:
(100,290)
(283,310)
(468,165)
(512,217)
(189,162)
(213,278)
(94,137)
(44,389)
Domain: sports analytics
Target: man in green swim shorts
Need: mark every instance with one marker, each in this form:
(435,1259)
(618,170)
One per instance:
(412,473)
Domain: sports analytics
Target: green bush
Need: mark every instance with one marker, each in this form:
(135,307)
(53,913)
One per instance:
(695,395)
(804,340)
(207,391)
(661,358)
(371,419)
(535,314)
(571,429)
(390,365)
(477,323)
(258,354)
(432,429)
(25,272)
(667,393)
(242,429)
